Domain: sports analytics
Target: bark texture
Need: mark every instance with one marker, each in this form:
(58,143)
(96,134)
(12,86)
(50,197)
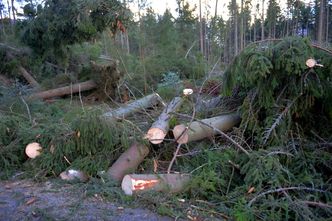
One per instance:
(159,128)
(58,92)
(128,161)
(128,109)
(198,131)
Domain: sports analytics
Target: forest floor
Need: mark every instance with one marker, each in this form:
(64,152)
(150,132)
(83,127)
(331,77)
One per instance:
(51,200)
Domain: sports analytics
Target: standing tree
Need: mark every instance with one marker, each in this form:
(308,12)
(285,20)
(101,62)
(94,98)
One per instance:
(320,31)
(272,15)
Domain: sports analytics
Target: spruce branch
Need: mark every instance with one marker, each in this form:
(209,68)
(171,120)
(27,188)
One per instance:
(282,190)
(277,121)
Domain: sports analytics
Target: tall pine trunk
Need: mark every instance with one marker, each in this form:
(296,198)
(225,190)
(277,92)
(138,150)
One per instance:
(201,40)
(242,27)
(13,10)
(327,23)
(320,31)
(236,41)
(262,24)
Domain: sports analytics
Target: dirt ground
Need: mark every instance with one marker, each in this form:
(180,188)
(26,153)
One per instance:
(29,200)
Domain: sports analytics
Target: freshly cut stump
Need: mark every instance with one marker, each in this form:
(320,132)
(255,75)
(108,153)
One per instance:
(198,131)
(32,150)
(138,183)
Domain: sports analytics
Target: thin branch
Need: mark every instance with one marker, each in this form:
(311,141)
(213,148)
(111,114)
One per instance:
(319,204)
(174,157)
(79,92)
(282,190)
(190,49)
(28,109)
(279,152)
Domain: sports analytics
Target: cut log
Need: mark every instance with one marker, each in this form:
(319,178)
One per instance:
(128,161)
(198,131)
(159,128)
(135,106)
(138,183)
(58,92)
(28,77)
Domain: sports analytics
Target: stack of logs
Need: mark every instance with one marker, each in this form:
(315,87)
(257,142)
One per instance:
(128,162)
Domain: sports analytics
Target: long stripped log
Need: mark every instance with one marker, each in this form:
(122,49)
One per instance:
(198,131)
(58,92)
(135,106)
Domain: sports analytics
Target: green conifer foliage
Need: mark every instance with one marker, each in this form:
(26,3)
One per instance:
(279,90)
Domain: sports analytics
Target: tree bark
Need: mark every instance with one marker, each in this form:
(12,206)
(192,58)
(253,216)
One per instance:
(128,161)
(327,23)
(159,128)
(201,40)
(262,34)
(198,131)
(13,11)
(242,28)
(236,41)
(205,105)
(135,106)
(28,77)
(171,183)
(321,22)
(58,92)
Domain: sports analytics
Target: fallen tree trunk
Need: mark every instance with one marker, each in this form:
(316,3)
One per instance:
(159,128)
(128,161)
(25,73)
(140,104)
(58,92)
(28,77)
(204,105)
(138,183)
(198,131)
